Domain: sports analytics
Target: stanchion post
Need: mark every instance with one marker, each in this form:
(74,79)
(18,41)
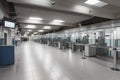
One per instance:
(72,47)
(64,47)
(115,60)
(83,51)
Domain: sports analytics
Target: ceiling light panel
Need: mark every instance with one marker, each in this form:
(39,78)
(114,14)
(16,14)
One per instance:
(31,26)
(97,3)
(58,20)
(32,21)
(56,23)
(101,4)
(29,30)
(35,32)
(25,35)
(82,9)
(92,2)
(47,27)
(41,30)
(35,18)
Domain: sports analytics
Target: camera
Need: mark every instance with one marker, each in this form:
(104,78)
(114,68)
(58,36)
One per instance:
(53,2)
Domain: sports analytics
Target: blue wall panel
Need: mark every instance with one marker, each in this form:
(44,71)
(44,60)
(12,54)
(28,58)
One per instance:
(6,55)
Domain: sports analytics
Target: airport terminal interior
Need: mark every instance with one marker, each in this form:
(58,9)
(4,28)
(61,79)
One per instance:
(59,39)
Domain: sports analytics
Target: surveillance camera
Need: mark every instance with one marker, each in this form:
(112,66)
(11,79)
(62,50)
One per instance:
(53,2)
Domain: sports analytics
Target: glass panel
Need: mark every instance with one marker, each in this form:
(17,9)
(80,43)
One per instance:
(1,37)
(109,37)
(118,37)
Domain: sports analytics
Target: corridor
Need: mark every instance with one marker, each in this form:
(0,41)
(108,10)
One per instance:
(41,62)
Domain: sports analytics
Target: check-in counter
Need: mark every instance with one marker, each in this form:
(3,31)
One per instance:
(7,56)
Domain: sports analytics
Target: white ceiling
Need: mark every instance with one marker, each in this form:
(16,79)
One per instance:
(69,5)
(26,12)
(71,11)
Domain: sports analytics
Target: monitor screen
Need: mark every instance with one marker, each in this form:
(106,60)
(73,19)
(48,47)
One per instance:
(9,24)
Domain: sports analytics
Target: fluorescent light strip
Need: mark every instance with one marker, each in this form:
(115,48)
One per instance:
(35,18)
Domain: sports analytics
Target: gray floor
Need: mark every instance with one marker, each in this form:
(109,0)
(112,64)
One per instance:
(41,62)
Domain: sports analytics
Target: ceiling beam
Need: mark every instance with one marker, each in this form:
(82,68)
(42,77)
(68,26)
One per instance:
(51,9)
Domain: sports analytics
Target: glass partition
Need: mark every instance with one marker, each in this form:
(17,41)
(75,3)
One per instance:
(118,36)
(109,37)
(1,37)
(118,39)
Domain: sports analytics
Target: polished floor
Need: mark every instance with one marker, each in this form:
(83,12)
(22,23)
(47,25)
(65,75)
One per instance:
(41,62)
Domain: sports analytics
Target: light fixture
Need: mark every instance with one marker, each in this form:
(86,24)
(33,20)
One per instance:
(82,9)
(25,35)
(31,26)
(41,30)
(92,2)
(96,3)
(47,27)
(101,4)
(35,32)
(58,20)
(29,30)
(32,35)
(35,18)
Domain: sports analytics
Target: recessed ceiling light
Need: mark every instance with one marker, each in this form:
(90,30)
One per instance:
(25,35)
(58,20)
(29,30)
(31,26)
(35,18)
(47,27)
(101,4)
(32,35)
(56,23)
(41,30)
(92,2)
(35,32)
(96,3)
(82,9)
